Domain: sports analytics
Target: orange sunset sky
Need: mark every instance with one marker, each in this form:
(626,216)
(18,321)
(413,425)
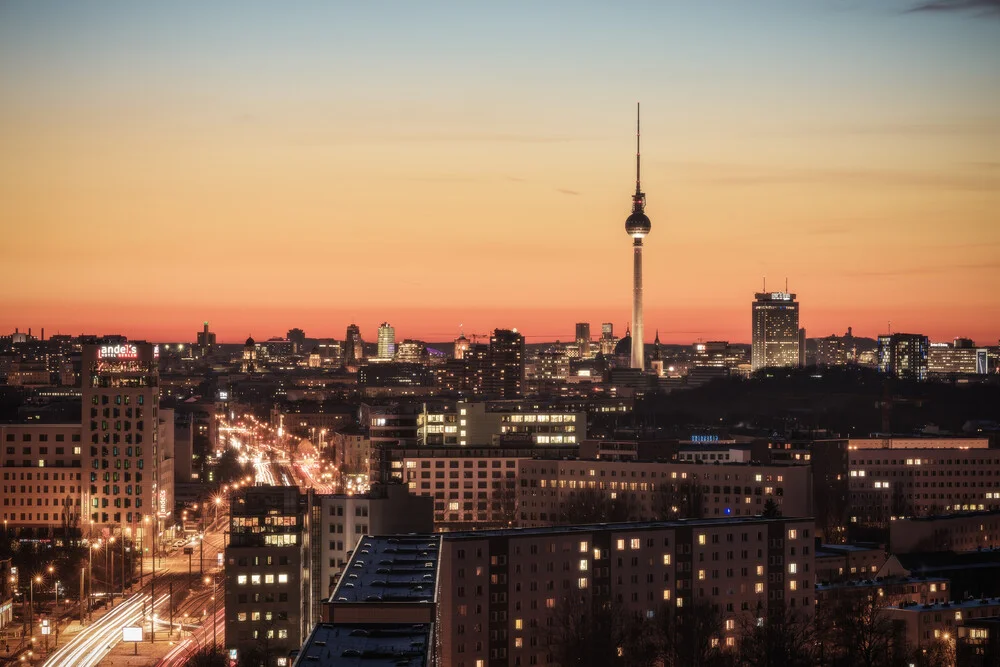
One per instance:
(268,165)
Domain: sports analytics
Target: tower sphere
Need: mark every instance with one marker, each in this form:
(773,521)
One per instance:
(637,225)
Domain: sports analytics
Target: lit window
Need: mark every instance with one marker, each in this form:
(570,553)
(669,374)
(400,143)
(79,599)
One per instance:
(550,603)
(793,534)
(581,583)
(666,559)
(621,545)
(793,585)
(633,543)
(701,538)
(282,578)
(666,593)
(268,578)
(760,570)
(241,617)
(680,602)
(793,568)
(583,547)
(241,579)
(255,579)
(255,616)
(701,575)
(583,565)
(758,587)
(518,642)
(730,624)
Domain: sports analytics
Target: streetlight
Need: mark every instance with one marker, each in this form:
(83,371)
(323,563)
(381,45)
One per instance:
(215,608)
(37,579)
(90,576)
(218,501)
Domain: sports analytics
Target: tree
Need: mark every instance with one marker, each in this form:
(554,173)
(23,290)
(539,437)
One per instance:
(688,636)
(778,637)
(678,500)
(587,633)
(228,467)
(857,631)
(593,506)
(771,509)
(208,656)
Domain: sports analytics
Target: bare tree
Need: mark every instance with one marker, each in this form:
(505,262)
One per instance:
(589,633)
(594,506)
(777,637)
(678,500)
(689,636)
(857,631)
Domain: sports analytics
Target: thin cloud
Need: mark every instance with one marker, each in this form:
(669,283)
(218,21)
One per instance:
(567,192)
(736,175)
(926,270)
(983,7)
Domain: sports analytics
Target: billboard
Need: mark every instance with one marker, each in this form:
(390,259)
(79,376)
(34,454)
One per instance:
(133,634)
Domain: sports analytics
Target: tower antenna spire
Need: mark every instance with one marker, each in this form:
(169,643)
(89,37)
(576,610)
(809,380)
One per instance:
(638,189)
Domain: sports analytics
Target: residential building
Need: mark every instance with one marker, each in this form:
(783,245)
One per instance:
(964,531)
(903,355)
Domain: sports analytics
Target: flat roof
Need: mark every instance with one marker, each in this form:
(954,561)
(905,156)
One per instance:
(945,606)
(889,581)
(618,527)
(397,568)
(374,644)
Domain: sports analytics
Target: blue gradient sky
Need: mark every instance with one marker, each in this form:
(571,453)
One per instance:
(442,163)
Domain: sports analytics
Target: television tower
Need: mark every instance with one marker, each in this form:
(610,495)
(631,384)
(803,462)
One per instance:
(637,226)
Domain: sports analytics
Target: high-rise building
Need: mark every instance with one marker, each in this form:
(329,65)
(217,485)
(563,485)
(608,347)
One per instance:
(904,355)
(298,338)
(637,225)
(505,372)
(121,428)
(583,339)
(267,571)
(386,341)
(608,340)
(353,346)
(775,330)
(206,339)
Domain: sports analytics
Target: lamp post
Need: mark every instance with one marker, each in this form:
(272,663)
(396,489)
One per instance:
(90,578)
(37,579)
(215,609)
(111,570)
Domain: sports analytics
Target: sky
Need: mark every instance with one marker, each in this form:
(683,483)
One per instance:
(447,165)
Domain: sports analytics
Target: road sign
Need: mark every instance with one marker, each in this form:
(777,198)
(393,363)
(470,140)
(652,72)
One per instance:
(188,551)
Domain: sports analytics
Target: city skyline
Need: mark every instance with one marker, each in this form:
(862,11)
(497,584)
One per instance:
(279,168)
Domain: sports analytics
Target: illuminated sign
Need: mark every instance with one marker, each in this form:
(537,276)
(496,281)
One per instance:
(156,351)
(131,634)
(223,395)
(163,501)
(704,438)
(781,296)
(119,351)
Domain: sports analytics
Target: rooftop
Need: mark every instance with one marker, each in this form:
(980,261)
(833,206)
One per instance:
(621,526)
(945,606)
(369,645)
(399,568)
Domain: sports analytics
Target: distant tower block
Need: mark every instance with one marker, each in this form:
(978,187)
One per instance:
(637,225)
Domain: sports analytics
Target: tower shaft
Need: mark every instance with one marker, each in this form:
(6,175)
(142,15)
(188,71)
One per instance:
(638,356)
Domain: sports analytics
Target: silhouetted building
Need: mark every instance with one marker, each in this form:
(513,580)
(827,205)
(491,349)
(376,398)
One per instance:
(353,346)
(903,355)
(505,373)
(298,338)
(583,338)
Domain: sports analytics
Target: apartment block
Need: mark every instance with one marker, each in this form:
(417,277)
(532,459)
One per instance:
(43,478)
(966,531)
(659,489)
